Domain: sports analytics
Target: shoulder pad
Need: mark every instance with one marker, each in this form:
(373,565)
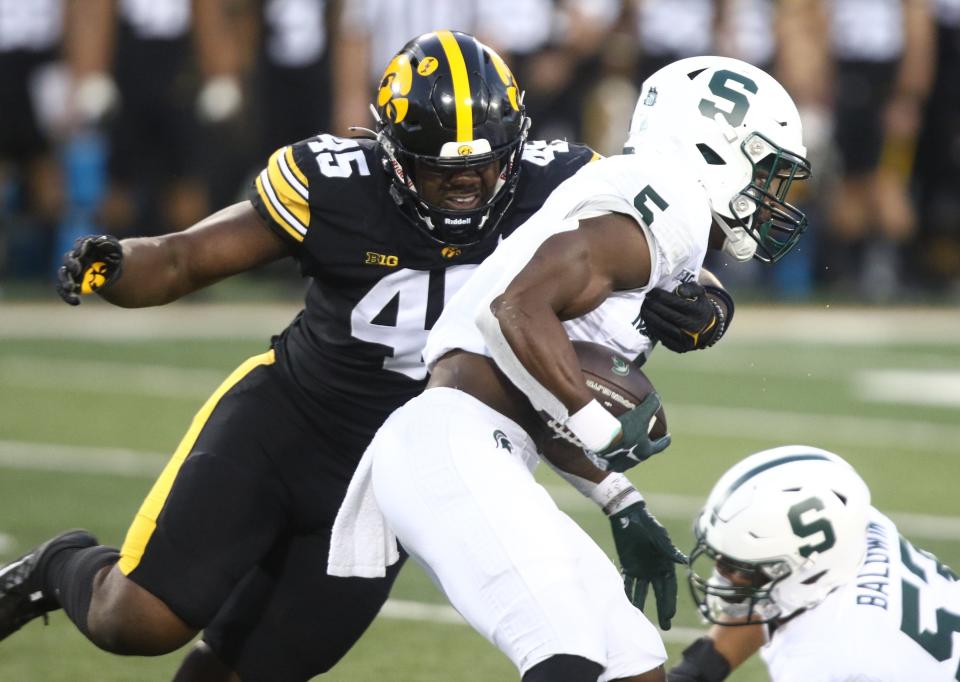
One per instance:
(543,153)
(290,185)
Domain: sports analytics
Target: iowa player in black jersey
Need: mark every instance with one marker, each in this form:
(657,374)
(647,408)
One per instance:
(233,537)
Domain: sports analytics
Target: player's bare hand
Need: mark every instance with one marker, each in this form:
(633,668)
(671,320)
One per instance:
(93,263)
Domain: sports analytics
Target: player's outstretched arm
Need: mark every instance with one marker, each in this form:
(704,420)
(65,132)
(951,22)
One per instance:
(712,658)
(148,271)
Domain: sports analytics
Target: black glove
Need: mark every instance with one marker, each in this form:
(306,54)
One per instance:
(93,263)
(647,557)
(635,444)
(689,318)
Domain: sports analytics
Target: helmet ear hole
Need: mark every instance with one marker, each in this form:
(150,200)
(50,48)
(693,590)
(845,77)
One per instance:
(709,155)
(814,578)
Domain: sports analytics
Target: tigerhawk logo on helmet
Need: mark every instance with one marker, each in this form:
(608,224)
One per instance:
(464,111)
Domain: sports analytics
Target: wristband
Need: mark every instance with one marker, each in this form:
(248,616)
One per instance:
(722,295)
(594,426)
(720,322)
(615,493)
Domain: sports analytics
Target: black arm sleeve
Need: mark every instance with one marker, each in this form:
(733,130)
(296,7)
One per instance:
(701,663)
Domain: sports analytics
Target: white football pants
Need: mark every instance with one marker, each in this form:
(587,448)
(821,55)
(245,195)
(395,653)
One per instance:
(454,480)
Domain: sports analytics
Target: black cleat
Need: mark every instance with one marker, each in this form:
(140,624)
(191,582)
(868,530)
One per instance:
(21,591)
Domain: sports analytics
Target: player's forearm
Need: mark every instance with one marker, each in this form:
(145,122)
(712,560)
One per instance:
(158,270)
(570,462)
(803,54)
(915,76)
(351,78)
(154,273)
(89,35)
(612,492)
(566,278)
(216,26)
(530,346)
(540,344)
(737,644)
(523,331)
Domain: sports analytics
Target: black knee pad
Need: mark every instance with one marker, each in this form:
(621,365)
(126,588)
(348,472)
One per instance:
(75,591)
(564,668)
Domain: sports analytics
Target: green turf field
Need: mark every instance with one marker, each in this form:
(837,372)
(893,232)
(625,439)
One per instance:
(86,423)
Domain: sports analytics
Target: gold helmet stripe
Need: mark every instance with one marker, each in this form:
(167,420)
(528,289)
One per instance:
(461,85)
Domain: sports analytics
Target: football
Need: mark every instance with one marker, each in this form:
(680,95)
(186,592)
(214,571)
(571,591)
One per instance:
(617,383)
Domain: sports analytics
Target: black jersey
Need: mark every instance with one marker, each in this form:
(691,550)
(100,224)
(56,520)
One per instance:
(378,284)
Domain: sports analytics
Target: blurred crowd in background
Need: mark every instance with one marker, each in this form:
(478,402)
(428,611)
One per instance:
(140,117)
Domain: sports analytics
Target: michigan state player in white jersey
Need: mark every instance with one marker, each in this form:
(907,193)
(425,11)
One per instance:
(714,147)
(792,559)
(387,228)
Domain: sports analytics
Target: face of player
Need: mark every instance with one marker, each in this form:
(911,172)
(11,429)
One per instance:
(765,212)
(457,189)
(739,577)
(746,599)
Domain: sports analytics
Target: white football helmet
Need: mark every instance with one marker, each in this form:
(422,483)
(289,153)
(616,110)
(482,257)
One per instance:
(780,531)
(740,131)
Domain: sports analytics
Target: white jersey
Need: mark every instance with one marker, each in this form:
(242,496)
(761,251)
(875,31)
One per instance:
(520,26)
(899,621)
(33,26)
(869,30)
(668,206)
(157,19)
(681,27)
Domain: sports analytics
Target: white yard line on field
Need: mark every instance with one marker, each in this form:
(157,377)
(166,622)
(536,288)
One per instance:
(928,387)
(743,359)
(686,507)
(76,459)
(937,388)
(441,613)
(847,325)
(804,427)
(818,325)
(105,377)
(95,320)
(120,462)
